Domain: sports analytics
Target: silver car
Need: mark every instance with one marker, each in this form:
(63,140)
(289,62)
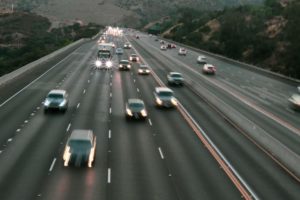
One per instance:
(80,148)
(56,100)
(135,108)
(294,101)
(175,78)
(164,97)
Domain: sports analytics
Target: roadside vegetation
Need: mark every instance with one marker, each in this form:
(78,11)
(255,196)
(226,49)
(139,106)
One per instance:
(25,37)
(267,36)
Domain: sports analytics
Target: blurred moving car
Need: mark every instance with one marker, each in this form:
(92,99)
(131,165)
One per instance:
(127,45)
(209,69)
(163,47)
(135,108)
(124,65)
(164,97)
(182,52)
(294,101)
(80,148)
(144,69)
(201,59)
(175,78)
(119,51)
(56,100)
(134,58)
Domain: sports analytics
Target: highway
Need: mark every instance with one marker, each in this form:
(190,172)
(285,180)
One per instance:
(163,157)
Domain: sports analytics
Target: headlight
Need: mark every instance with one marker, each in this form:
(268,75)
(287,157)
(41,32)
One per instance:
(147,70)
(108,63)
(98,63)
(63,103)
(47,102)
(158,101)
(140,71)
(128,111)
(67,156)
(128,66)
(174,101)
(130,58)
(144,113)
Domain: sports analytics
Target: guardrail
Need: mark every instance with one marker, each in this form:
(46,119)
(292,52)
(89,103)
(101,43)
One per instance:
(14,74)
(242,64)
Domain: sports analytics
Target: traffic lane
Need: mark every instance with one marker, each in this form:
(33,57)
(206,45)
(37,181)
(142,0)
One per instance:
(274,128)
(23,106)
(92,113)
(23,157)
(270,94)
(193,171)
(261,172)
(137,171)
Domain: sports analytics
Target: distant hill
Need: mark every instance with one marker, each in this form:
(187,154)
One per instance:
(129,12)
(267,36)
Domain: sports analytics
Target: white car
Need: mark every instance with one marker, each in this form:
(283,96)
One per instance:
(163,47)
(294,101)
(135,108)
(134,58)
(164,97)
(209,69)
(124,65)
(56,100)
(175,78)
(119,51)
(127,45)
(80,148)
(201,59)
(182,52)
(144,69)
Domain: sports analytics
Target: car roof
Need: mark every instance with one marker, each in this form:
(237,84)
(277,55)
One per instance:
(63,92)
(175,73)
(163,89)
(208,65)
(82,135)
(124,61)
(296,97)
(131,101)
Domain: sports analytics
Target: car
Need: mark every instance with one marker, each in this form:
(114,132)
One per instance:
(164,97)
(119,51)
(143,69)
(127,45)
(135,108)
(175,78)
(80,148)
(134,58)
(173,46)
(163,47)
(294,101)
(162,42)
(56,100)
(182,52)
(201,59)
(169,46)
(209,69)
(124,65)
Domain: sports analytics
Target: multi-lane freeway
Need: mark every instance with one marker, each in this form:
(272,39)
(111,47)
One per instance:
(190,152)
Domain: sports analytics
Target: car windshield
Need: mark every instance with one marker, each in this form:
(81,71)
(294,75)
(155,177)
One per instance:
(55,96)
(136,105)
(80,144)
(104,55)
(165,94)
(176,75)
(143,67)
(124,62)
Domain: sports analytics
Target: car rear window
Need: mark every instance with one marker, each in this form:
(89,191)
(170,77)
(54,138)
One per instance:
(165,94)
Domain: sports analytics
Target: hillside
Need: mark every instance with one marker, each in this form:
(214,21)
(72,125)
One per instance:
(25,37)
(131,13)
(267,36)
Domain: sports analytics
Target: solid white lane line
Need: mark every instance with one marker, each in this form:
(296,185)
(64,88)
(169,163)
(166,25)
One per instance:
(69,126)
(78,105)
(52,165)
(109,175)
(161,153)
(150,122)
(13,96)
(109,134)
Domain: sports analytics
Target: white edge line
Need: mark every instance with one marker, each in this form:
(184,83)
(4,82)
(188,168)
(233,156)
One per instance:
(161,153)
(10,98)
(78,105)
(150,122)
(52,165)
(69,126)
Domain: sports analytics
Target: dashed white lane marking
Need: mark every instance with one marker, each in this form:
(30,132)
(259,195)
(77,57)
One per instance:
(78,105)
(32,114)
(109,134)
(109,175)
(68,128)
(110,84)
(110,94)
(18,130)
(137,90)
(150,122)
(9,140)
(52,165)
(26,121)
(161,153)
(134,80)
(84,91)
(38,108)
(110,110)
(89,81)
